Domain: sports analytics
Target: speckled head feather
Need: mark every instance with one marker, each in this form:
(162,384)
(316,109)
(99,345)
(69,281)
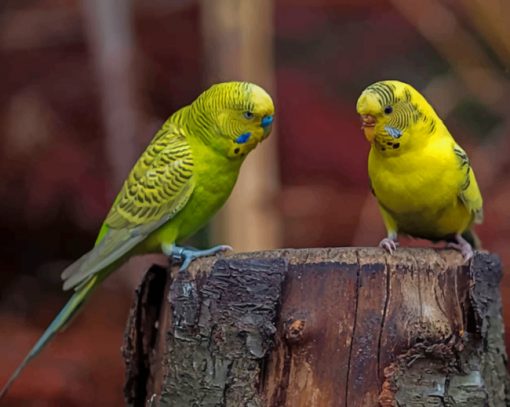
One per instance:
(232,117)
(390,111)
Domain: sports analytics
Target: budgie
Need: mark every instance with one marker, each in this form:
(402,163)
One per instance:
(183,177)
(422,179)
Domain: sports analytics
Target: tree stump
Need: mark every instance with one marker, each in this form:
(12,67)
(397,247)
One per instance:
(320,327)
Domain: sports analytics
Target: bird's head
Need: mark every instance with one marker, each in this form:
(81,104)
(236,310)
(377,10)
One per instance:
(390,113)
(240,114)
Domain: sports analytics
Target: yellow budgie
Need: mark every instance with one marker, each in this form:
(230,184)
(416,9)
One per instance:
(183,177)
(421,177)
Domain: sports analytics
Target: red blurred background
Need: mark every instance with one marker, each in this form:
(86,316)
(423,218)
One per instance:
(86,83)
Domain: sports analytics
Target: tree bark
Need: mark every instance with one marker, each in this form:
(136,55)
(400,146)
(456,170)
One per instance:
(320,327)
(111,37)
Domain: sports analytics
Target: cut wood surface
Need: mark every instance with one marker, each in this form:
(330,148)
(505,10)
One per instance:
(320,327)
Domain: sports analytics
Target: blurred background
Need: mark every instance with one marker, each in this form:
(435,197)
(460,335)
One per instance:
(84,85)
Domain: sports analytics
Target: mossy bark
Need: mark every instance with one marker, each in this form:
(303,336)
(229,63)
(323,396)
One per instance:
(320,327)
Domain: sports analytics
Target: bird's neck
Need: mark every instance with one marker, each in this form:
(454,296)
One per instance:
(196,124)
(202,133)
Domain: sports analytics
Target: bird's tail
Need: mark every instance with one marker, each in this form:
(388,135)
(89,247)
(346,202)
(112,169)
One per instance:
(60,321)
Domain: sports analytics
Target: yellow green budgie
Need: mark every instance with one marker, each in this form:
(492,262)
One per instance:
(184,176)
(421,177)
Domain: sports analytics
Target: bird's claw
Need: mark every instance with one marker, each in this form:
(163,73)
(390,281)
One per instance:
(463,247)
(389,245)
(186,256)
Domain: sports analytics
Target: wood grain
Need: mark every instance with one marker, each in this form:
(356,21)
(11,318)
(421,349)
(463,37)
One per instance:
(320,327)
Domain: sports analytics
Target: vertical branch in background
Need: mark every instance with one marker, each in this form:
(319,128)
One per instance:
(238,43)
(441,27)
(110,34)
(491,20)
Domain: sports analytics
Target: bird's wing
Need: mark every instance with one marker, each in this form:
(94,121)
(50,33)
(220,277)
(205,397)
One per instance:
(469,193)
(157,188)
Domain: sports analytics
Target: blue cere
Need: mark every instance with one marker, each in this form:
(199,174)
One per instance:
(267,121)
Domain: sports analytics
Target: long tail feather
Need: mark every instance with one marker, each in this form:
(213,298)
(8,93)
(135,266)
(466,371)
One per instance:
(60,321)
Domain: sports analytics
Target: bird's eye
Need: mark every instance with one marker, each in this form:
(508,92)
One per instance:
(388,110)
(248,115)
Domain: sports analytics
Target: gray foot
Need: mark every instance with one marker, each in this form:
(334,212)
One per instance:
(187,255)
(389,244)
(463,246)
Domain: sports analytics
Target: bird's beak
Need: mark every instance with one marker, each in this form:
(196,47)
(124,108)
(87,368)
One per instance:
(368,127)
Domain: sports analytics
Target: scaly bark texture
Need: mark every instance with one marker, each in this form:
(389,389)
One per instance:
(320,327)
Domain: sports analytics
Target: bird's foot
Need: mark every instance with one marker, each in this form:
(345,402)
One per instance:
(389,244)
(185,255)
(463,246)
